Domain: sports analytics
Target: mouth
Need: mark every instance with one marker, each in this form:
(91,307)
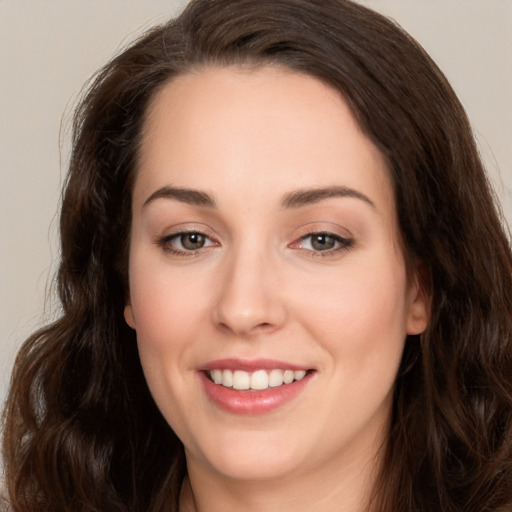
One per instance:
(253,387)
(258,380)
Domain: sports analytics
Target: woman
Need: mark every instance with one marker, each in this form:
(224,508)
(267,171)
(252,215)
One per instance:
(284,281)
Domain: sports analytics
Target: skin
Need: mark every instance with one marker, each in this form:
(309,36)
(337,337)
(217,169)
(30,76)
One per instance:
(260,288)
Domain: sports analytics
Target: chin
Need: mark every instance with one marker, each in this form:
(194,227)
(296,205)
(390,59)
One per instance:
(253,456)
(264,466)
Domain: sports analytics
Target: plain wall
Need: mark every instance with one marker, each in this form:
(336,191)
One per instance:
(49,48)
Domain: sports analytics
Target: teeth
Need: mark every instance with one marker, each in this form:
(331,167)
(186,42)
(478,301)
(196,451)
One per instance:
(241,380)
(227,378)
(288,377)
(275,378)
(258,380)
(217,376)
(300,375)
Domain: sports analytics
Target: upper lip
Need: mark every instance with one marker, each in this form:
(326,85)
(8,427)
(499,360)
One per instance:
(251,365)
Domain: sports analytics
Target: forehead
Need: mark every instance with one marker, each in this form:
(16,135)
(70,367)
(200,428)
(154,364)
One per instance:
(267,129)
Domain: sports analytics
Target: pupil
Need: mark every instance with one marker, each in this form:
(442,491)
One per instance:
(192,241)
(322,242)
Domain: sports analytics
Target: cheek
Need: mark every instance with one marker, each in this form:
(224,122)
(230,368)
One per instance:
(167,315)
(166,306)
(360,314)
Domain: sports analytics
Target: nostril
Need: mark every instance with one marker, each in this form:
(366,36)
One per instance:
(264,326)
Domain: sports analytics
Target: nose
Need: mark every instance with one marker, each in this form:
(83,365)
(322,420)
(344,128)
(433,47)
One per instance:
(250,299)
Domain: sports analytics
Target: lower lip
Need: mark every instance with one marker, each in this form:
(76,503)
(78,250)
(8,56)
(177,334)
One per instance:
(252,402)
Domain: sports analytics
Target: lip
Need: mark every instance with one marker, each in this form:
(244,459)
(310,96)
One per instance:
(252,365)
(252,402)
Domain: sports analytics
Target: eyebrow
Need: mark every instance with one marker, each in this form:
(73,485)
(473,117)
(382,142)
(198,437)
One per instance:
(295,199)
(300,198)
(183,195)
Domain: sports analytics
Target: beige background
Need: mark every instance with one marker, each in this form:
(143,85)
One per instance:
(48,48)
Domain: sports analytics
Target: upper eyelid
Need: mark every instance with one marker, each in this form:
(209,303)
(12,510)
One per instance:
(177,234)
(328,228)
(170,235)
(343,245)
(300,237)
(309,229)
(186,232)
(324,232)
(166,243)
(184,228)
(339,238)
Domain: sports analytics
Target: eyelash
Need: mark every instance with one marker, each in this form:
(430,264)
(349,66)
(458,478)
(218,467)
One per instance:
(166,243)
(343,244)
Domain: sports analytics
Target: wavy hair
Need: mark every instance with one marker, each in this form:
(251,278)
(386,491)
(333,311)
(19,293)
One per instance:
(81,431)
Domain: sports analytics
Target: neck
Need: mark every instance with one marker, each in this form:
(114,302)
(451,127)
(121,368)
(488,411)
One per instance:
(340,489)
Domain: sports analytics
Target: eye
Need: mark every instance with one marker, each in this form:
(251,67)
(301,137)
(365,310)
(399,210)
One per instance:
(185,243)
(322,242)
(326,243)
(191,241)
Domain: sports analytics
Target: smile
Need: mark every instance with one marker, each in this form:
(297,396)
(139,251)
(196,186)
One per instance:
(258,380)
(253,387)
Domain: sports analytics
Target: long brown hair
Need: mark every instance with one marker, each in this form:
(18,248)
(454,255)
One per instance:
(81,430)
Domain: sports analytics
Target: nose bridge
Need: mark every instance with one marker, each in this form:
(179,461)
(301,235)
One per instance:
(249,298)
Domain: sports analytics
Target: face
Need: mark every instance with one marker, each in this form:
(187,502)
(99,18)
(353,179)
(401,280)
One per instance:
(268,288)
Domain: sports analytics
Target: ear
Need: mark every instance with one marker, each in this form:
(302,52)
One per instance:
(418,302)
(128,315)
